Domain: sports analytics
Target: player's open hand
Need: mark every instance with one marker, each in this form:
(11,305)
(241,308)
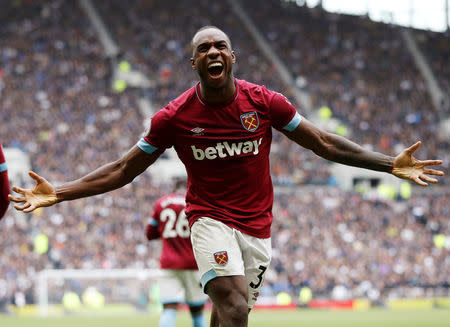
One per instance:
(42,195)
(407,167)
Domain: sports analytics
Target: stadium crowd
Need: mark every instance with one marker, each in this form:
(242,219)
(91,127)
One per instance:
(58,107)
(360,69)
(437,52)
(375,247)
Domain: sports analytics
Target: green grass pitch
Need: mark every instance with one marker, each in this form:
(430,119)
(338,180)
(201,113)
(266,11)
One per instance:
(259,318)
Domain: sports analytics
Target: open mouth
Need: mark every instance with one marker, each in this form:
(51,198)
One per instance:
(215,69)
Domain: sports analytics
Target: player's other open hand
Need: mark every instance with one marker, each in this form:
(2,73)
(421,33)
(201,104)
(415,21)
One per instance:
(42,195)
(407,167)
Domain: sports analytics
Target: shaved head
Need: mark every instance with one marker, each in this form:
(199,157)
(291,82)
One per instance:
(213,59)
(207,27)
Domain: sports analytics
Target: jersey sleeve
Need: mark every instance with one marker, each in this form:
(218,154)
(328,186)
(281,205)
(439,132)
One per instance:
(152,230)
(158,136)
(4,185)
(283,114)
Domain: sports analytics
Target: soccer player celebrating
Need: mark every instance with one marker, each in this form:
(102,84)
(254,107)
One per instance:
(4,184)
(181,279)
(222,130)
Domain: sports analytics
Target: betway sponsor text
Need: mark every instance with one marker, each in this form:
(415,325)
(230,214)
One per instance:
(225,149)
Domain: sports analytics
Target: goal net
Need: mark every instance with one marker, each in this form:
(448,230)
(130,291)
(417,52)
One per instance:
(97,291)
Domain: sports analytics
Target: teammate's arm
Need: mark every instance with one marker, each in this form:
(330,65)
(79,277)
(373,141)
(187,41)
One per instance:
(339,149)
(4,185)
(152,231)
(104,179)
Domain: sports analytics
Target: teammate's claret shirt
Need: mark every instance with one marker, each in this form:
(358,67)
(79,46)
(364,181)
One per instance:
(4,184)
(169,220)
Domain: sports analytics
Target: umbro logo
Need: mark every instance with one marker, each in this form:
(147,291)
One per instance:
(197,130)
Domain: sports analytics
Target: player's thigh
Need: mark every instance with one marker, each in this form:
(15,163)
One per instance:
(228,291)
(171,288)
(216,250)
(194,295)
(257,254)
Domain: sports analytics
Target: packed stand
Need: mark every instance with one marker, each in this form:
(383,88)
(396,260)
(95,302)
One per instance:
(436,47)
(375,248)
(55,98)
(360,69)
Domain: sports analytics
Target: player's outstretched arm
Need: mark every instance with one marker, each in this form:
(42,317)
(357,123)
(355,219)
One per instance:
(104,179)
(339,149)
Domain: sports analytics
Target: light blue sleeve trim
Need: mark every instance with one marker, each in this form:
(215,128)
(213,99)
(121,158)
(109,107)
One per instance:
(295,121)
(153,222)
(3,167)
(144,146)
(207,277)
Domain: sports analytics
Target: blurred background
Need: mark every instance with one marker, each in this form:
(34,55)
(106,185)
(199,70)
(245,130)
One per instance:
(79,81)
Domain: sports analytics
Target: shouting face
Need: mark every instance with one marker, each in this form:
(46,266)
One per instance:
(213,58)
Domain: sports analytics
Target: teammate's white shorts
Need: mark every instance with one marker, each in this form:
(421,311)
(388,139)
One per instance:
(224,251)
(178,286)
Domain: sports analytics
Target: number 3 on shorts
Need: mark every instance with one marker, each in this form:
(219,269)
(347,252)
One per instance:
(260,277)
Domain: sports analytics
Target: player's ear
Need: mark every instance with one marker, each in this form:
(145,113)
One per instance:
(233,57)
(193,63)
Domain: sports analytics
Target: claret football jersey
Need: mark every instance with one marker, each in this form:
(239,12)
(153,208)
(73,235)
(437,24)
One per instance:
(169,217)
(225,150)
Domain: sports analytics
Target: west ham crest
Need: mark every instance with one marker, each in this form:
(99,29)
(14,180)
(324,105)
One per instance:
(221,257)
(250,121)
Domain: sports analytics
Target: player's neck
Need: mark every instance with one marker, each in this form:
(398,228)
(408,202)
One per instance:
(218,96)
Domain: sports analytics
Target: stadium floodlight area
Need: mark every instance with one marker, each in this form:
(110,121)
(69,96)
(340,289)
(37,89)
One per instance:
(433,15)
(118,288)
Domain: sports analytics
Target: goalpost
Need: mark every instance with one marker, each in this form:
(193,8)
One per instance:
(116,286)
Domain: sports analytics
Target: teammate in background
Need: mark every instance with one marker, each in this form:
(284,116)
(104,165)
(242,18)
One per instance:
(4,203)
(4,184)
(181,280)
(222,131)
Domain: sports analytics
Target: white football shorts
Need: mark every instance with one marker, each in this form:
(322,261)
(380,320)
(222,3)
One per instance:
(224,251)
(181,286)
